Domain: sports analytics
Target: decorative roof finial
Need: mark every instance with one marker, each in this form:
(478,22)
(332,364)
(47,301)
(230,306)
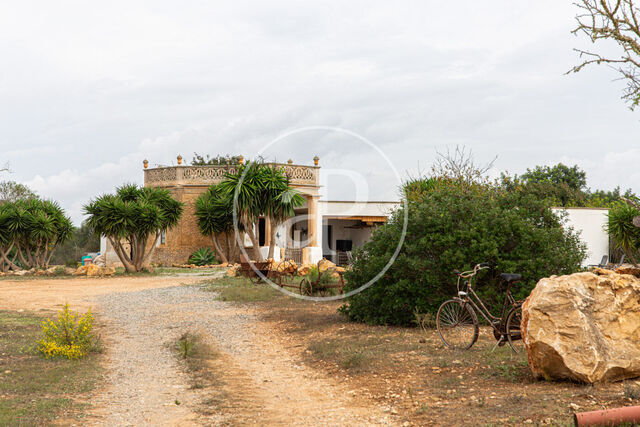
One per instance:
(316,159)
(179,159)
(290,161)
(240,159)
(145,163)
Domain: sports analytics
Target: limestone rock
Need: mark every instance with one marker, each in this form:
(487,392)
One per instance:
(107,271)
(233,271)
(584,327)
(324,265)
(81,271)
(304,269)
(92,270)
(628,269)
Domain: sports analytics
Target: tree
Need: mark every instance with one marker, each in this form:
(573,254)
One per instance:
(10,191)
(214,212)
(259,189)
(455,225)
(614,21)
(82,241)
(30,231)
(132,219)
(280,201)
(199,160)
(573,177)
(623,232)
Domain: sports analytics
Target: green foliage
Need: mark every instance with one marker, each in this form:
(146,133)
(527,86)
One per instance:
(82,241)
(186,345)
(573,177)
(202,256)
(11,191)
(70,336)
(454,226)
(199,160)
(561,186)
(623,233)
(132,215)
(258,189)
(30,231)
(214,213)
(314,273)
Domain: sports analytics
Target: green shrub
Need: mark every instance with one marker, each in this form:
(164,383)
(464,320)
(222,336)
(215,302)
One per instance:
(623,233)
(70,336)
(325,277)
(203,256)
(455,225)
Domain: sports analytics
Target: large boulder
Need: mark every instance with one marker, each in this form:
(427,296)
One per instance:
(584,327)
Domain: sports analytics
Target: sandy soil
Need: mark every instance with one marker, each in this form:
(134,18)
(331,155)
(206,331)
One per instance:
(79,292)
(260,382)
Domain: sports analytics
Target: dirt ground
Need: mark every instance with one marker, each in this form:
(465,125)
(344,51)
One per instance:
(257,380)
(281,361)
(79,292)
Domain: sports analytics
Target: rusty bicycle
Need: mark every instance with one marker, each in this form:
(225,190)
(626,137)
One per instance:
(457,322)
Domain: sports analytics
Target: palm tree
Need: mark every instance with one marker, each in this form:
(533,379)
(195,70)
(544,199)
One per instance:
(622,230)
(260,189)
(215,218)
(32,229)
(280,201)
(245,188)
(134,216)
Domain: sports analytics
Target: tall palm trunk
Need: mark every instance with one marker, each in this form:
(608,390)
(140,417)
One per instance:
(272,237)
(219,250)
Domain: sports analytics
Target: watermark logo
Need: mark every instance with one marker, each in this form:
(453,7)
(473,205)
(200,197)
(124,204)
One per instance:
(299,230)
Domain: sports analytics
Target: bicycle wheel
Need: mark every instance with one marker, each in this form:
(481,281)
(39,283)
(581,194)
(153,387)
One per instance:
(512,328)
(457,324)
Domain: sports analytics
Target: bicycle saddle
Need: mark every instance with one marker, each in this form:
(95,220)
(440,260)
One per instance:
(510,277)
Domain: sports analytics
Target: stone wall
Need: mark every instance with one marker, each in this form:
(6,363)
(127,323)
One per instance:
(182,240)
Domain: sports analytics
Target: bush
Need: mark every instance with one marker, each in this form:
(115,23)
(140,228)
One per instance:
(624,234)
(203,256)
(455,225)
(70,336)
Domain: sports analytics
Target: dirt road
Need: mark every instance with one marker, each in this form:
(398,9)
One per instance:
(259,381)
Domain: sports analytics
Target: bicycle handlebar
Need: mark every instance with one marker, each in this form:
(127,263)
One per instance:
(471,273)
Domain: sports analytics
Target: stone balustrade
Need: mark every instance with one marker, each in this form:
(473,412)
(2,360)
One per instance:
(171,176)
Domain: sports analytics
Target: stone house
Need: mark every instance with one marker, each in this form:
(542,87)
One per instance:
(321,228)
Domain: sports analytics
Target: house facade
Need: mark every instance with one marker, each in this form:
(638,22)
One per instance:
(320,228)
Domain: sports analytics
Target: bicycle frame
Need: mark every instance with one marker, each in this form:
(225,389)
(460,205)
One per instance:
(469,296)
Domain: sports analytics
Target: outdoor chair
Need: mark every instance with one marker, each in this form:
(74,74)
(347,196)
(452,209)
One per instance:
(620,263)
(603,263)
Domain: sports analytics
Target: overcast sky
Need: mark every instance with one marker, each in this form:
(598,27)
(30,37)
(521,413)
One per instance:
(90,89)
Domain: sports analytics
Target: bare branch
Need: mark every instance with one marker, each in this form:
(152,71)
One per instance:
(617,21)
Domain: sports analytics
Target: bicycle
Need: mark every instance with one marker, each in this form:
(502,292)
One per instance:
(457,322)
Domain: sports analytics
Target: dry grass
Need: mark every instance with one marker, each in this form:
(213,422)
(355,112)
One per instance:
(34,390)
(426,383)
(240,289)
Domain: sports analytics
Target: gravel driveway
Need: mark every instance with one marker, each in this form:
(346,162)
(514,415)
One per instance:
(145,384)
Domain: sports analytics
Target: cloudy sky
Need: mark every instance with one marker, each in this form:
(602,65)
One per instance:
(90,89)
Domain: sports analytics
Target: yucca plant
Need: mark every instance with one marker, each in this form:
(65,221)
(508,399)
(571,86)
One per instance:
(202,256)
(624,233)
(215,219)
(260,189)
(135,217)
(30,231)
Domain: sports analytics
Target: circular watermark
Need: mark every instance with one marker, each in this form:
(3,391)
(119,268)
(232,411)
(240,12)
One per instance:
(365,285)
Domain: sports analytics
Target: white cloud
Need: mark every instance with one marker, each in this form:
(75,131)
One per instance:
(88,91)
